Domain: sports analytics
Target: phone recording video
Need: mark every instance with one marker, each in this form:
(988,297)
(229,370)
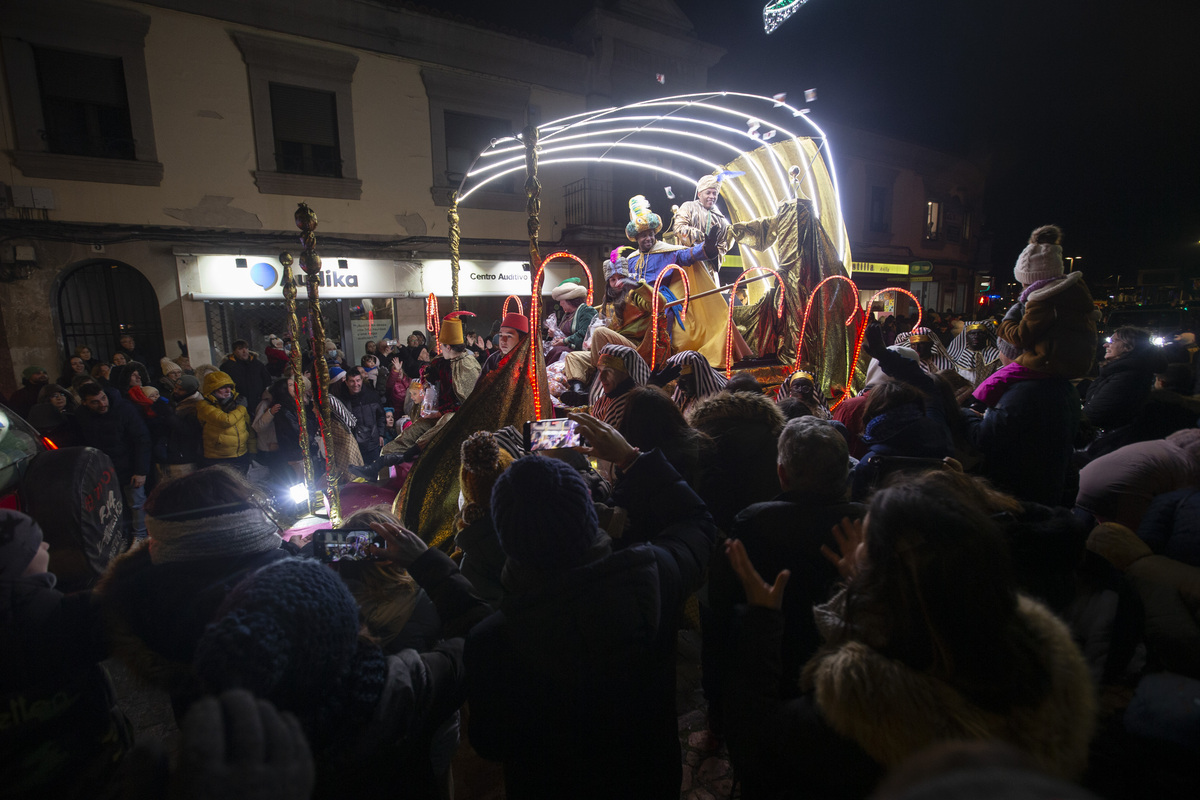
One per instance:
(551,434)
(333,544)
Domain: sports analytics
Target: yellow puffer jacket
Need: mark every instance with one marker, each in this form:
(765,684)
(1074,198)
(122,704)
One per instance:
(227,434)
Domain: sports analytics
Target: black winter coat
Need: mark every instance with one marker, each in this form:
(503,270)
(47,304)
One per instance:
(250,377)
(367,408)
(572,684)
(785,533)
(120,434)
(1027,440)
(1123,387)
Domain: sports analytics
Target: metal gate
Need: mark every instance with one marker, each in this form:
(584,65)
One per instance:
(255,320)
(100,300)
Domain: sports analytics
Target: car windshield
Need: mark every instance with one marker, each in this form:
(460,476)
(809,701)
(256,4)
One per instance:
(18,445)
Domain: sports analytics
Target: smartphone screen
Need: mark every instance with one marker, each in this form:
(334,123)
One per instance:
(551,434)
(343,545)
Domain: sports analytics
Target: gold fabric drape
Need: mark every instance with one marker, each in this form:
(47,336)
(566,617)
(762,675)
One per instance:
(428,501)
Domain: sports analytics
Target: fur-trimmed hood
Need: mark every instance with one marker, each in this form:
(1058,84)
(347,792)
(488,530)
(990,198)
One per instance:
(715,411)
(891,710)
(1045,290)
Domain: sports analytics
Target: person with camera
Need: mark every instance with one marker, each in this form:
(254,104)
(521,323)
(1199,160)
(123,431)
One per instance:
(572,684)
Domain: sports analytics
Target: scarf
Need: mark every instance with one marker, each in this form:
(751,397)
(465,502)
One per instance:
(993,388)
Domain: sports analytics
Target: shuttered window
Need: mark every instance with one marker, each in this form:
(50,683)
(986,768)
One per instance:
(306,131)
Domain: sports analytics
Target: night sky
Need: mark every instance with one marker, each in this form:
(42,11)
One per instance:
(1086,113)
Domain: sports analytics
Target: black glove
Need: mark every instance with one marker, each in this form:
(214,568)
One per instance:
(710,241)
(665,374)
(874,344)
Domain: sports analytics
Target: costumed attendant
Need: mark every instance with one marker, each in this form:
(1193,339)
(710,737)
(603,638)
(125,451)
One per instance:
(929,348)
(619,370)
(513,329)
(572,321)
(974,351)
(802,385)
(449,379)
(697,379)
(626,314)
(696,218)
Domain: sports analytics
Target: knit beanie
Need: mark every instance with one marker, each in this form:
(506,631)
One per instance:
(189,384)
(875,373)
(336,374)
(289,633)
(20,538)
(30,371)
(482,463)
(167,366)
(1042,257)
(543,514)
(238,529)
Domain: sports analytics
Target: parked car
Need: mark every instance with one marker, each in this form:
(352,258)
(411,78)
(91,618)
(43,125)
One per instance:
(19,443)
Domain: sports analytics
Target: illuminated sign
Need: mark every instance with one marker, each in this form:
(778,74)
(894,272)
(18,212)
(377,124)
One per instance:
(881,269)
(217,276)
(485,278)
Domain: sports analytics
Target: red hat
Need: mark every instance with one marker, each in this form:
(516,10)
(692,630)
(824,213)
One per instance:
(517,322)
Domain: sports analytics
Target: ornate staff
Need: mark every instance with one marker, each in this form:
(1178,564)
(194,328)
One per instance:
(306,221)
(455,237)
(533,207)
(289,302)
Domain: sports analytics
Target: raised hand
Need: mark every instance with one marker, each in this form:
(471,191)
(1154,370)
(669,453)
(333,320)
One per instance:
(758,591)
(850,536)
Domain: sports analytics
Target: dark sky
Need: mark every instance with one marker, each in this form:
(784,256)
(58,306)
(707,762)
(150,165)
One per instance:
(1087,112)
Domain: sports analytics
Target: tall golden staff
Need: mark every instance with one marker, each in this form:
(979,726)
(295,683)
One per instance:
(455,237)
(297,361)
(533,207)
(306,221)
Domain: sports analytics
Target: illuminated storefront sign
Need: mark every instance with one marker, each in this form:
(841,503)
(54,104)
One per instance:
(880,268)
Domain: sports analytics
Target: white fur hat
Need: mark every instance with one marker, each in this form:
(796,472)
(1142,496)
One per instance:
(1042,257)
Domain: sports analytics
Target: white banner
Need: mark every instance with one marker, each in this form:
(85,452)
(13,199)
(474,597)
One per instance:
(487,278)
(259,279)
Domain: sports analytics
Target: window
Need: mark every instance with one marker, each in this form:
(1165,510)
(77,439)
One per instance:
(84,104)
(880,212)
(80,96)
(301,102)
(466,112)
(305,127)
(933,220)
(466,137)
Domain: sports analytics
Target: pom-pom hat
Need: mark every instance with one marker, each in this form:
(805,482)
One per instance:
(1042,257)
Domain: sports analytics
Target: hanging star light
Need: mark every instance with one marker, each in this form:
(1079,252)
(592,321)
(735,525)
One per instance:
(775,13)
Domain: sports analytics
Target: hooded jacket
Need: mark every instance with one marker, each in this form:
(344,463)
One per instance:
(1057,328)
(227,434)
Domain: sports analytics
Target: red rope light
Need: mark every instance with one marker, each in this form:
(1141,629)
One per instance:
(535,337)
(812,301)
(583,265)
(858,340)
(504,308)
(729,321)
(654,303)
(433,319)
(913,297)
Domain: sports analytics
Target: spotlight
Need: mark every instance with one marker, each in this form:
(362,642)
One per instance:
(299,493)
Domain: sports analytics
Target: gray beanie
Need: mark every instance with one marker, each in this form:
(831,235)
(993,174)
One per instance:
(20,538)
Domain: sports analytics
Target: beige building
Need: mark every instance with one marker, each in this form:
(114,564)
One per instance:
(913,216)
(154,154)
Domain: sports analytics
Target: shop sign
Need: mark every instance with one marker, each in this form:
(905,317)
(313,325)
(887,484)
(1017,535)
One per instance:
(880,268)
(487,278)
(259,278)
(920,268)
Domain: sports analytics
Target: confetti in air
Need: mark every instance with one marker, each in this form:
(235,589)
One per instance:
(658,76)
(779,99)
(810,95)
(670,193)
(775,13)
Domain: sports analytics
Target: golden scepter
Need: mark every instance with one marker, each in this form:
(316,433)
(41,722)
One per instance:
(289,302)
(306,221)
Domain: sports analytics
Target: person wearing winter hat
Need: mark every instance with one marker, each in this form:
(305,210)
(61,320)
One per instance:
(60,700)
(277,356)
(1054,319)
(289,633)
(184,440)
(171,373)
(513,330)
(850,412)
(228,437)
(577,673)
(483,462)
(336,374)
(572,319)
